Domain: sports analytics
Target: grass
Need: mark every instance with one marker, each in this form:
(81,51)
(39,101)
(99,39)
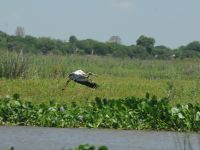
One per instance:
(12,65)
(45,76)
(41,90)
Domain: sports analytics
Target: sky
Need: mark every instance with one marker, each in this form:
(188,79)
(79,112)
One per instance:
(171,22)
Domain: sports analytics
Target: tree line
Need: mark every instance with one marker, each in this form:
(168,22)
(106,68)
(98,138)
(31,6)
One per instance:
(144,47)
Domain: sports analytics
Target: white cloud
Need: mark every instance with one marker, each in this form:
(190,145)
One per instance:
(122,4)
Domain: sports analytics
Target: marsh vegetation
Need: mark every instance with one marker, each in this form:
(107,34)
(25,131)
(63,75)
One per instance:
(40,78)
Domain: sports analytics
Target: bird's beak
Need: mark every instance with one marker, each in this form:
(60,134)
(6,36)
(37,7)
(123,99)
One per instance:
(94,74)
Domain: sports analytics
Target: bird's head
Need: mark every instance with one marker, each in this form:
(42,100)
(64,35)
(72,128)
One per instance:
(70,75)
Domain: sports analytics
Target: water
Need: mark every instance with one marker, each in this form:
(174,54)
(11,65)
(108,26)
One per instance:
(36,138)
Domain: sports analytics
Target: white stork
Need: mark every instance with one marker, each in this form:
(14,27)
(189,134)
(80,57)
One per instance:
(82,78)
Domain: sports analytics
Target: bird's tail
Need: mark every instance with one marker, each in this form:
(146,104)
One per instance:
(93,85)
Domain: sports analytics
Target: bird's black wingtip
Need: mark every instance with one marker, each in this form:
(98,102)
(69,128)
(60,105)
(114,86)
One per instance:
(95,86)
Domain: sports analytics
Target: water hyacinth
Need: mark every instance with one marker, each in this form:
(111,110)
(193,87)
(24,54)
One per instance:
(89,147)
(80,118)
(62,109)
(180,115)
(197,116)
(129,113)
(174,110)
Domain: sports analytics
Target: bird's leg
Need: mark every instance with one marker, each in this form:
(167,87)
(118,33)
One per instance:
(66,84)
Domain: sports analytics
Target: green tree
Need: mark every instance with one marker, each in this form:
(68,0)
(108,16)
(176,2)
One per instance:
(100,48)
(195,46)
(118,50)
(162,52)
(45,45)
(3,40)
(191,50)
(86,45)
(137,52)
(147,42)
(72,39)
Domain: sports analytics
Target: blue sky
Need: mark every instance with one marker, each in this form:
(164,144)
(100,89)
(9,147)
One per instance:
(171,22)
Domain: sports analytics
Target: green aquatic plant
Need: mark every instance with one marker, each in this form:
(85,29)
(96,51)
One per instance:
(89,147)
(128,113)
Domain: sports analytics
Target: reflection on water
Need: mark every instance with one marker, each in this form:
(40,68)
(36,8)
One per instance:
(185,142)
(34,138)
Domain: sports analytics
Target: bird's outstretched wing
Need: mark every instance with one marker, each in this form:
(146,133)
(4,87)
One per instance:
(85,81)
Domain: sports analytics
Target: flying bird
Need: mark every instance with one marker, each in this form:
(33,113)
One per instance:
(81,77)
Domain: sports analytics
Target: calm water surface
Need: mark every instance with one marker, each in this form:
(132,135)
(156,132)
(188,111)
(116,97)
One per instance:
(36,138)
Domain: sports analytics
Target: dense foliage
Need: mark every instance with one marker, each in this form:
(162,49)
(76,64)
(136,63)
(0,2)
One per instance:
(144,48)
(129,113)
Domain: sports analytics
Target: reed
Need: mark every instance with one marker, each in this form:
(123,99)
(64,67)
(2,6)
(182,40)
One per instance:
(13,65)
